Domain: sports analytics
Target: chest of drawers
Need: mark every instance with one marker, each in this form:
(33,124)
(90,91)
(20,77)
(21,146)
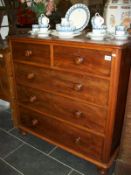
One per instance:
(72,93)
(5,74)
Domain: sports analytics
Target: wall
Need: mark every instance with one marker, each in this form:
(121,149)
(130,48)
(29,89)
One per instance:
(4,30)
(123,163)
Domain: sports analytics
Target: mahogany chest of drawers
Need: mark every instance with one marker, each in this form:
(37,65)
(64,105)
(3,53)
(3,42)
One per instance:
(4,74)
(72,93)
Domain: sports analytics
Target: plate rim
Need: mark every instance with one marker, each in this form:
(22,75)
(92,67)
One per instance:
(116,35)
(96,35)
(75,6)
(44,32)
(66,36)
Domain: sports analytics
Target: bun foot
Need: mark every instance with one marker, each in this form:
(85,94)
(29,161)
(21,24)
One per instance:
(24,133)
(102,171)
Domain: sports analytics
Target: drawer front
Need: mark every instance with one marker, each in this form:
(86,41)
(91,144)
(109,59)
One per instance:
(36,53)
(81,59)
(84,87)
(77,113)
(4,78)
(63,134)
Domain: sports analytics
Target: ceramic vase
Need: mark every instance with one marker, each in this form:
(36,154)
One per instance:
(117,12)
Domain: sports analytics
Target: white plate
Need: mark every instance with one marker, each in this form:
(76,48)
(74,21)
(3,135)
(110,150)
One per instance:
(96,37)
(33,33)
(79,14)
(40,34)
(43,35)
(121,37)
(62,35)
(44,32)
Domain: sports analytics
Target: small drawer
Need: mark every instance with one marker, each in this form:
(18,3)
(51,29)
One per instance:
(75,112)
(29,52)
(62,134)
(82,59)
(83,87)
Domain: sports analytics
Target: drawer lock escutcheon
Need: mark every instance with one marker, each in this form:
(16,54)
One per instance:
(79,60)
(30,76)
(28,53)
(78,87)
(35,122)
(33,99)
(77,140)
(78,114)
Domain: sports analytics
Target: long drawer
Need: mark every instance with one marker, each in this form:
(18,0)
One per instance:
(88,116)
(81,59)
(84,87)
(34,53)
(75,139)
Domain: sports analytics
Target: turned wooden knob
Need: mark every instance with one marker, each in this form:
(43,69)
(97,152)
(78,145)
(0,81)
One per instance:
(30,76)
(78,114)
(79,60)
(78,87)
(1,55)
(35,122)
(28,53)
(33,99)
(1,59)
(77,140)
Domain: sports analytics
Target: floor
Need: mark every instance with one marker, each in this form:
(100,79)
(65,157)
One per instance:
(29,155)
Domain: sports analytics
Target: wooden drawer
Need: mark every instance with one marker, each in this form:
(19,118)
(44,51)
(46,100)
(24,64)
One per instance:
(4,75)
(36,53)
(84,87)
(75,139)
(76,113)
(80,59)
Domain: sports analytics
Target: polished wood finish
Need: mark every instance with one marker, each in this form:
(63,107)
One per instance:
(72,93)
(4,74)
(84,115)
(32,53)
(81,59)
(92,89)
(62,133)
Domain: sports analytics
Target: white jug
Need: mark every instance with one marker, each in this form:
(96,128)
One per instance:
(43,20)
(97,21)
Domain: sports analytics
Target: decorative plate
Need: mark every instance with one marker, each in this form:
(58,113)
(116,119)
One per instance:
(79,14)
(96,37)
(33,33)
(62,35)
(40,34)
(121,37)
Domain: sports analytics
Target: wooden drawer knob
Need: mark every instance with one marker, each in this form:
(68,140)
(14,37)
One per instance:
(77,140)
(78,114)
(79,60)
(1,55)
(30,76)
(78,87)
(35,122)
(1,59)
(28,53)
(33,99)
